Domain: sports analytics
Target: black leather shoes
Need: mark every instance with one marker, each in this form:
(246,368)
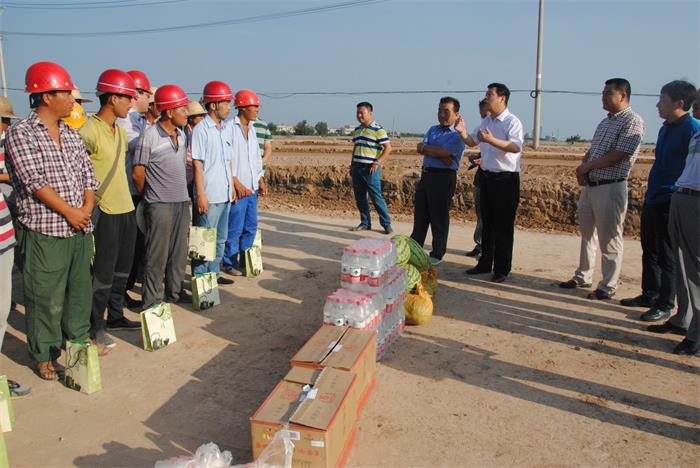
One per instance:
(655,314)
(475,252)
(224,281)
(639,301)
(498,278)
(687,347)
(600,295)
(667,327)
(573,284)
(477,271)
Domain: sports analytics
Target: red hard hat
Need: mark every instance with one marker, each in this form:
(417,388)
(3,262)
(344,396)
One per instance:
(170,96)
(116,82)
(141,80)
(216,91)
(47,76)
(246,97)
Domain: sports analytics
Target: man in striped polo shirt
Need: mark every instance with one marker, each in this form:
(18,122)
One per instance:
(372,148)
(262,132)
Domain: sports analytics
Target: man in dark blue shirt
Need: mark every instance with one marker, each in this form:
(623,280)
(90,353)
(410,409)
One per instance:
(658,264)
(442,150)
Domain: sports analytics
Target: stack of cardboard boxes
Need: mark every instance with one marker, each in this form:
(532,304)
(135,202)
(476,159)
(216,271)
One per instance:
(319,400)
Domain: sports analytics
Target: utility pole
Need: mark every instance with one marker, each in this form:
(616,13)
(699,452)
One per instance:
(2,61)
(538,78)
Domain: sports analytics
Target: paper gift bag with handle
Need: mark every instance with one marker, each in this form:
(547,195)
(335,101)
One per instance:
(205,291)
(4,461)
(157,327)
(202,244)
(83,367)
(7,414)
(253,257)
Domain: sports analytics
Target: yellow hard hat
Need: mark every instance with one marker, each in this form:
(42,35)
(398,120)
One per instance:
(195,108)
(77,117)
(6,109)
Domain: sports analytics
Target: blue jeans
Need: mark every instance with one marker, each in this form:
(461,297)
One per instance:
(242,225)
(362,183)
(216,217)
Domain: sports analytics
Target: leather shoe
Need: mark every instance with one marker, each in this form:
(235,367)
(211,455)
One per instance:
(638,301)
(600,295)
(224,281)
(655,314)
(475,252)
(573,284)
(496,278)
(477,271)
(687,347)
(667,327)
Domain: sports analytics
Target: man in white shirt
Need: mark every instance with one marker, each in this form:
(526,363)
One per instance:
(500,136)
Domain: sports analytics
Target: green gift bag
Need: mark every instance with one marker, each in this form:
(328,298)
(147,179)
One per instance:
(4,461)
(205,291)
(202,243)
(83,367)
(157,327)
(253,257)
(7,414)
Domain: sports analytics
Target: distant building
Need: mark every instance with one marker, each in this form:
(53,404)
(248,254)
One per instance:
(281,128)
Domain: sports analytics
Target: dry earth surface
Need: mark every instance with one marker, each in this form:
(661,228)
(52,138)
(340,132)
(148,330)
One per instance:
(521,373)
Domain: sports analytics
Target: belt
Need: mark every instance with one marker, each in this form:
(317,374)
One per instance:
(437,170)
(687,191)
(604,182)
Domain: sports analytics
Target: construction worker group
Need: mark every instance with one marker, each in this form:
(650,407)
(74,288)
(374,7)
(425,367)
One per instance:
(102,202)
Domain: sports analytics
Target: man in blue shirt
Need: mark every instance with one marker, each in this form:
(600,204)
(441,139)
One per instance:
(658,264)
(442,150)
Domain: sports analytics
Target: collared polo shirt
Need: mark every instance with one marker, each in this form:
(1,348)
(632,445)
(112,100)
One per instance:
(7,230)
(690,177)
(369,143)
(247,161)
(447,138)
(213,145)
(671,151)
(34,160)
(505,126)
(262,132)
(166,181)
(617,132)
(134,124)
(102,145)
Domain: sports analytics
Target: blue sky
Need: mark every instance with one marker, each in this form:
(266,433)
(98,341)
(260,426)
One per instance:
(386,46)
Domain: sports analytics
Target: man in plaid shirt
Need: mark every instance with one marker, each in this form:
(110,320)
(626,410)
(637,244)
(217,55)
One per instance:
(54,181)
(603,178)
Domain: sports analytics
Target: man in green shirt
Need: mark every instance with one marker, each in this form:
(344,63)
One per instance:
(115,223)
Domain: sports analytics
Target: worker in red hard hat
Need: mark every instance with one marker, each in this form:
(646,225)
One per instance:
(55,188)
(134,124)
(115,223)
(248,182)
(212,151)
(160,178)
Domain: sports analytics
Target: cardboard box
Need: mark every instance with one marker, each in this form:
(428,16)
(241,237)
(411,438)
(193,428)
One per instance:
(319,407)
(342,348)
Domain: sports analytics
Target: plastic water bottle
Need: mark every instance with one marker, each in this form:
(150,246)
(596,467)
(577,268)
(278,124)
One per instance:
(329,310)
(339,315)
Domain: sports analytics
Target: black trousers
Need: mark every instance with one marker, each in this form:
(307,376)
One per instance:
(114,250)
(500,196)
(139,263)
(658,261)
(432,204)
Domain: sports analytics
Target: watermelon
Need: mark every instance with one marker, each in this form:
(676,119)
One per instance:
(419,257)
(418,307)
(429,280)
(412,277)
(403,251)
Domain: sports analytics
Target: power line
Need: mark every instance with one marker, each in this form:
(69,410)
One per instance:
(249,19)
(85,5)
(286,95)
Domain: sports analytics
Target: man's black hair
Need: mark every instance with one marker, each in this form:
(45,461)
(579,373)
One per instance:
(365,104)
(453,101)
(681,90)
(621,84)
(501,90)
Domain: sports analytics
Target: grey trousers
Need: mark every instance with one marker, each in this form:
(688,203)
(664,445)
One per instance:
(167,227)
(684,230)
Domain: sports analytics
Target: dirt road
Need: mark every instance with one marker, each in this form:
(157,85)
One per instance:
(520,373)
